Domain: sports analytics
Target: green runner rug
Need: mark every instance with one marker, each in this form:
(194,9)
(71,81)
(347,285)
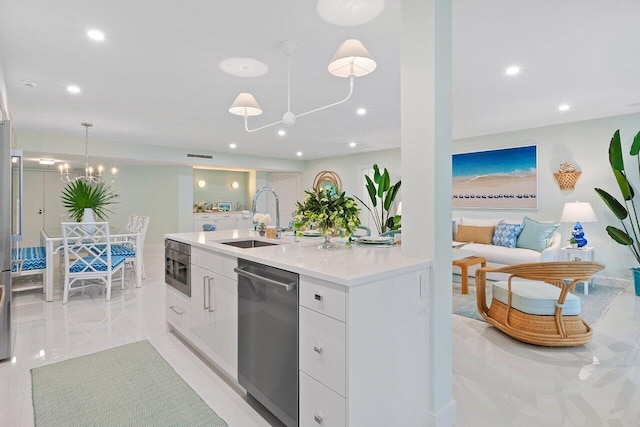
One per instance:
(131,385)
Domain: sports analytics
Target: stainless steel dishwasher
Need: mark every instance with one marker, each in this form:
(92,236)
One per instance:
(268,337)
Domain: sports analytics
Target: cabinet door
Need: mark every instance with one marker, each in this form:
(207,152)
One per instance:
(200,320)
(224,302)
(214,317)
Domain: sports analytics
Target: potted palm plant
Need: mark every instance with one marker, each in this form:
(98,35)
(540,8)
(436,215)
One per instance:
(626,212)
(78,196)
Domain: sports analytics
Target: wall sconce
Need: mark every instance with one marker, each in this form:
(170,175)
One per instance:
(202,183)
(235,185)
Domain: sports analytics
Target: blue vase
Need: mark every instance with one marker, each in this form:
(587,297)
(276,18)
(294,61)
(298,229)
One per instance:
(636,279)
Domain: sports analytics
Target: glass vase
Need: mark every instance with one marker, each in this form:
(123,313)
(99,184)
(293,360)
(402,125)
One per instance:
(262,229)
(327,244)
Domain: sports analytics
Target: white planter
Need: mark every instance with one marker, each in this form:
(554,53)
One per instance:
(89,216)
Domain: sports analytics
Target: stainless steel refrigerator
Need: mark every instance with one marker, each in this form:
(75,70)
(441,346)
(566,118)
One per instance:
(10,229)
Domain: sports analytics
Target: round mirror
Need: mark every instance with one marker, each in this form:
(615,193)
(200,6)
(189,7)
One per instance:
(328,180)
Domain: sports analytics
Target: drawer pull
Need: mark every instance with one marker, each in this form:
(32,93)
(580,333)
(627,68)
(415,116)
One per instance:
(318,297)
(318,418)
(317,348)
(177,310)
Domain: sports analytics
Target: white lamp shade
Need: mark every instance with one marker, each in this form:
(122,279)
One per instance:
(578,211)
(351,59)
(245,105)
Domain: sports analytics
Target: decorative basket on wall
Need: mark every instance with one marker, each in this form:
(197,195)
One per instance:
(567,180)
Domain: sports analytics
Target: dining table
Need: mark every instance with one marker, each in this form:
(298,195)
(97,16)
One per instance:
(51,239)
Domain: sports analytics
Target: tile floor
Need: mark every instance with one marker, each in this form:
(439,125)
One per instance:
(497,381)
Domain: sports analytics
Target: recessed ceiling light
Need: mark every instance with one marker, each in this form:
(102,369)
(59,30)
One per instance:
(563,107)
(244,67)
(361,111)
(73,89)
(95,35)
(281,132)
(299,153)
(47,161)
(352,144)
(232,146)
(512,71)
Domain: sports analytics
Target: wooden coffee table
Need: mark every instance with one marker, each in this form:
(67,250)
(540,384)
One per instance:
(464,264)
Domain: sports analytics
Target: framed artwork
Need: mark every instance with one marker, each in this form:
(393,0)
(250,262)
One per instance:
(506,178)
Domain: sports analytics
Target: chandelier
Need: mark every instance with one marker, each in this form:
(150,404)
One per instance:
(88,176)
(351,60)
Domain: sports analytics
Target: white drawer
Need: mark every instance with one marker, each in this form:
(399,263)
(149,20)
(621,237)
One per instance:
(320,406)
(322,349)
(178,306)
(323,297)
(218,263)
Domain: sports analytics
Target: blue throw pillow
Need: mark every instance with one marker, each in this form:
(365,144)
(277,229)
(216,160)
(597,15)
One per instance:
(506,234)
(535,235)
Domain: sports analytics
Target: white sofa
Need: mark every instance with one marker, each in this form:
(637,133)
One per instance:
(500,256)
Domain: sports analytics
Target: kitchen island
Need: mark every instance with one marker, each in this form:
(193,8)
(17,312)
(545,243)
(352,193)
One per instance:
(363,326)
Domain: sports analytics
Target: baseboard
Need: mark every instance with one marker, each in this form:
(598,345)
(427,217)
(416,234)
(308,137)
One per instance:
(445,416)
(610,281)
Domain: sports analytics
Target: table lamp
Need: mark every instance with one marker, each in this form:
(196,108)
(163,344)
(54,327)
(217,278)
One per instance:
(578,211)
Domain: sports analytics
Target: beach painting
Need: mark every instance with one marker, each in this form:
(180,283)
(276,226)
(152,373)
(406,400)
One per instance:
(496,179)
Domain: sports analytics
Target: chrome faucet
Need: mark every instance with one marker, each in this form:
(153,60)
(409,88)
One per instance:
(255,199)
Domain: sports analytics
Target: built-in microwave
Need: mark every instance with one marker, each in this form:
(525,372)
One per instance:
(177,267)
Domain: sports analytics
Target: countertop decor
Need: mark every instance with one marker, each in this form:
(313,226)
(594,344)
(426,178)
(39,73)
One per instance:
(329,213)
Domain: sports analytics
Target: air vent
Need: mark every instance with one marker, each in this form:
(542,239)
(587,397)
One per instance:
(200,156)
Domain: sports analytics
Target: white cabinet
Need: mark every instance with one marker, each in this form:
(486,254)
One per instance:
(363,352)
(223,221)
(208,320)
(214,311)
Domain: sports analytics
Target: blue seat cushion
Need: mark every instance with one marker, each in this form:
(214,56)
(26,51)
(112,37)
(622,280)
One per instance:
(535,297)
(117,250)
(99,264)
(33,258)
(209,227)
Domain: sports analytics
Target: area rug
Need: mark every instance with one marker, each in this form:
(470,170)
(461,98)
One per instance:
(131,385)
(592,307)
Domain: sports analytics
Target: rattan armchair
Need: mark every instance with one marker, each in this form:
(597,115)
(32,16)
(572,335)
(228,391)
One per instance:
(550,329)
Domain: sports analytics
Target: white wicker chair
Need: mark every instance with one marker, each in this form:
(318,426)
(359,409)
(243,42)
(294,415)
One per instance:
(87,257)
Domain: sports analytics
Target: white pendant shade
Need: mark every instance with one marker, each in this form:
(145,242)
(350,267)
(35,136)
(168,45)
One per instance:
(245,105)
(351,59)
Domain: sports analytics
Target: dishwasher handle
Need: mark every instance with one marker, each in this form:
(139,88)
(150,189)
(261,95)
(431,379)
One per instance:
(243,272)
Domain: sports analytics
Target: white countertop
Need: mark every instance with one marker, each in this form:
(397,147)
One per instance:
(343,265)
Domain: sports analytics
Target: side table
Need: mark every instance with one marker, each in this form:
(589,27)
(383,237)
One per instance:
(464,264)
(584,253)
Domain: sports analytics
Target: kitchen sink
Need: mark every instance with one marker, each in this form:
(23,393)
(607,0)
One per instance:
(248,243)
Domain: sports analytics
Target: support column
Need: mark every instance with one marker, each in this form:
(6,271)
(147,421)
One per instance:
(426,178)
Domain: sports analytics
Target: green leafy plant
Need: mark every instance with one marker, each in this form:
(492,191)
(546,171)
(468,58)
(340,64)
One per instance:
(329,212)
(79,195)
(572,241)
(627,212)
(382,194)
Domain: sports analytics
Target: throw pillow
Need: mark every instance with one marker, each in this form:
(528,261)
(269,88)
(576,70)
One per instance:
(471,233)
(535,235)
(506,234)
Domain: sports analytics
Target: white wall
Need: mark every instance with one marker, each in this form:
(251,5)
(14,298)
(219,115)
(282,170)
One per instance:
(154,191)
(585,144)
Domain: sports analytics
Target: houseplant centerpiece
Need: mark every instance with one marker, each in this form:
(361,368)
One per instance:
(627,212)
(80,198)
(261,220)
(330,213)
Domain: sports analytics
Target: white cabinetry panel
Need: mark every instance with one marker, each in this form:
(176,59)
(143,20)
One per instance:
(322,349)
(319,406)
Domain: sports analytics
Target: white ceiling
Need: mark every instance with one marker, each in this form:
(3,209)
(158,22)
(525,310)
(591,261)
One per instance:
(156,80)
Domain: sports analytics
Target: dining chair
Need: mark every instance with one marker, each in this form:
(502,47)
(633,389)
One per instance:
(132,223)
(390,233)
(361,231)
(88,260)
